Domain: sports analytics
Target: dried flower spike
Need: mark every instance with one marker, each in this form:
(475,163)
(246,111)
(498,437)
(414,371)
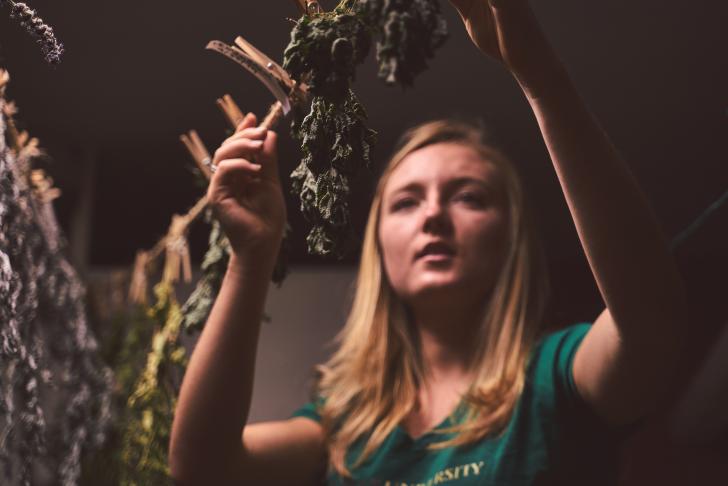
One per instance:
(39,30)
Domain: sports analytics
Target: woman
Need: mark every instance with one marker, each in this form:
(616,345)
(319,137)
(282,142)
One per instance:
(442,374)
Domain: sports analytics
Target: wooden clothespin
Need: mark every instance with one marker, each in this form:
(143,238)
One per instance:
(313,7)
(177,251)
(4,80)
(308,7)
(230,110)
(42,185)
(198,151)
(139,283)
(272,75)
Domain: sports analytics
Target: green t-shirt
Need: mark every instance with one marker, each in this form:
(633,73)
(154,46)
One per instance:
(553,438)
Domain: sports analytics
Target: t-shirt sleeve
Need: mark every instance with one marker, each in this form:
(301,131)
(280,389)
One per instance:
(553,366)
(309,410)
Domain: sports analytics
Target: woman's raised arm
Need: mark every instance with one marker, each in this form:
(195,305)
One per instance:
(624,365)
(208,445)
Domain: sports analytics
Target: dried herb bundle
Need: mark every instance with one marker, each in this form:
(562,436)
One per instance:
(39,30)
(324,51)
(46,345)
(408,31)
(148,419)
(214,264)
(327,48)
(336,144)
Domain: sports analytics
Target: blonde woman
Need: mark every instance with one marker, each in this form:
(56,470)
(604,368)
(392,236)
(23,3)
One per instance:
(443,372)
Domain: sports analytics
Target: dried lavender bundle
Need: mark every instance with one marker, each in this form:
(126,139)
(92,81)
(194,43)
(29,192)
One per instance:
(46,346)
(39,30)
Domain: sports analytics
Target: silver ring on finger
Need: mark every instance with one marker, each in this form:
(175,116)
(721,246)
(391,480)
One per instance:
(207,162)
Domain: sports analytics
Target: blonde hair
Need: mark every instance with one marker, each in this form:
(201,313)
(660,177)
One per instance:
(370,383)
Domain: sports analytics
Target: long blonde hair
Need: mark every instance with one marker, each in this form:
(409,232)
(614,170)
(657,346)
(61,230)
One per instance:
(370,383)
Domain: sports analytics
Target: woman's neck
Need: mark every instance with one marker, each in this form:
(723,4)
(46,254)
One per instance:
(447,340)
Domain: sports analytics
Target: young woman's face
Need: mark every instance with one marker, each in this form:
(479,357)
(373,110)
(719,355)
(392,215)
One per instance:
(443,225)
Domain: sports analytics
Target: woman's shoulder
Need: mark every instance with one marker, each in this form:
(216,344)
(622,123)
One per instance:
(550,367)
(311,409)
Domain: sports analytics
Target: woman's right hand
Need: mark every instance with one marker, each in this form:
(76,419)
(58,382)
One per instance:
(246,197)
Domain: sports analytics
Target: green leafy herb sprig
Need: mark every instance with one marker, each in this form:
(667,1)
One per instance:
(336,144)
(214,264)
(324,51)
(327,47)
(408,31)
(150,407)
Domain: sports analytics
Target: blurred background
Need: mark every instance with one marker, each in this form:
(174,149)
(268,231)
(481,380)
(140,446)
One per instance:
(135,76)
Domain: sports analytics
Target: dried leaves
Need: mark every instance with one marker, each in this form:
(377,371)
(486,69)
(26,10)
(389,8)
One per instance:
(45,341)
(148,420)
(408,33)
(39,30)
(327,47)
(324,51)
(336,144)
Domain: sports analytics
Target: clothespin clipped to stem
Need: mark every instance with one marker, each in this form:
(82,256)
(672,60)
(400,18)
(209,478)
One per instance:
(308,7)
(272,75)
(42,185)
(139,283)
(177,251)
(232,112)
(144,259)
(4,79)
(198,151)
(313,7)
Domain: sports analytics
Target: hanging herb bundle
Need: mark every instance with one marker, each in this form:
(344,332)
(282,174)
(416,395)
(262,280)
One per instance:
(327,47)
(45,342)
(408,31)
(324,50)
(39,30)
(150,407)
(336,144)
(197,308)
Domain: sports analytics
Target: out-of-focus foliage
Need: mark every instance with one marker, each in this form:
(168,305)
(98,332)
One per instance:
(54,389)
(150,407)
(408,33)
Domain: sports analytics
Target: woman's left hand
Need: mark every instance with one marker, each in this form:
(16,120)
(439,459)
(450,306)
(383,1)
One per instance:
(507,30)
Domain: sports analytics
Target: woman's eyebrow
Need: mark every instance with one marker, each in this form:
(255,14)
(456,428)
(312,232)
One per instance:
(461,181)
(411,187)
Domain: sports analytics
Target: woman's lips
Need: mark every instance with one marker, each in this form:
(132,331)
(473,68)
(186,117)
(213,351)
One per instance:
(436,257)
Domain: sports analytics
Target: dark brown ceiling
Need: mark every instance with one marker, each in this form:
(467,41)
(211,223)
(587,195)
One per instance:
(135,76)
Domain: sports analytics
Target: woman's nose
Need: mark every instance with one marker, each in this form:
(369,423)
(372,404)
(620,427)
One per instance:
(437,219)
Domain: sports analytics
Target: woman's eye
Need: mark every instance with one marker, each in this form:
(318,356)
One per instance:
(402,203)
(470,197)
